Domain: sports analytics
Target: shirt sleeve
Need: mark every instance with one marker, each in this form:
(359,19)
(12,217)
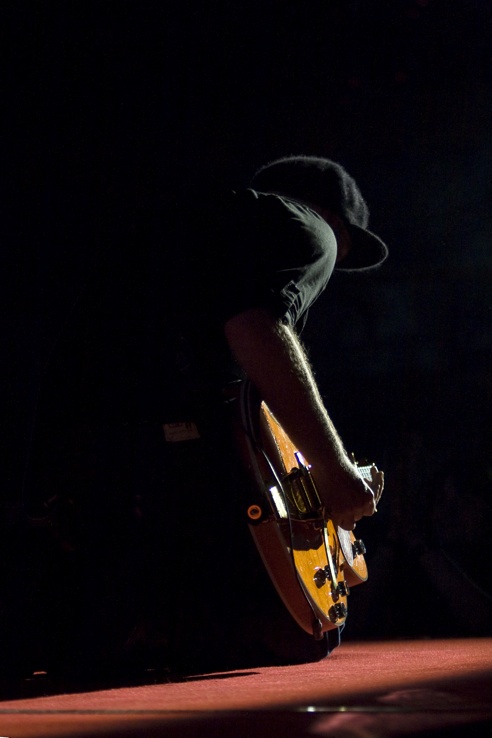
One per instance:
(279,255)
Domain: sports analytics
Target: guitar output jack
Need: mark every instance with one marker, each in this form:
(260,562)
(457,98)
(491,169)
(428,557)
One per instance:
(255,513)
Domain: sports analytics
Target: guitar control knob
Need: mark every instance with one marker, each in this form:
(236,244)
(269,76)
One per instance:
(320,577)
(343,589)
(329,574)
(358,547)
(337,612)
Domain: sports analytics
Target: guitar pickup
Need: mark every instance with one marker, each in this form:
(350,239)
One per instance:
(301,494)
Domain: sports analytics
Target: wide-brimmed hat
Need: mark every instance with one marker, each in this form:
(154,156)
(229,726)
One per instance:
(327,184)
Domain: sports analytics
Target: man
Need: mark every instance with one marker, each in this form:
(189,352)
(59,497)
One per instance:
(258,340)
(210,291)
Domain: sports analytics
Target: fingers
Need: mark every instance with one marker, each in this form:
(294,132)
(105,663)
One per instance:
(377,483)
(359,499)
(349,518)
(345,523)
(349,521)
(368,508)
(371,507)
(381,485)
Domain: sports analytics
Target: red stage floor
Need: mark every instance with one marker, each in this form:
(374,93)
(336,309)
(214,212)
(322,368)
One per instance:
(364,690)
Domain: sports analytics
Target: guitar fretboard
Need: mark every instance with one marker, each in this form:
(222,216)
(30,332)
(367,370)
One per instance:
(365,472)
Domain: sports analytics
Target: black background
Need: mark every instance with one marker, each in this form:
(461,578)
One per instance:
(111,106)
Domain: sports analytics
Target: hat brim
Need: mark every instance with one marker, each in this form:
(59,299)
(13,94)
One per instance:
(367,251)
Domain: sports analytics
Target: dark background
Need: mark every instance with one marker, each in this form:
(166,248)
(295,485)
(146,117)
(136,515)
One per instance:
(112,106)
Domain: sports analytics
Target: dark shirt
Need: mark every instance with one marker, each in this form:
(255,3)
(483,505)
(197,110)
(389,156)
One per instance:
(257,250)
(248,250)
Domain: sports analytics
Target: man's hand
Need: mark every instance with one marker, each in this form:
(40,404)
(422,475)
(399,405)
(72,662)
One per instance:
(377,483)
(345,496)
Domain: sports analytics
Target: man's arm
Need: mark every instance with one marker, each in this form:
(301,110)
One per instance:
(272,357)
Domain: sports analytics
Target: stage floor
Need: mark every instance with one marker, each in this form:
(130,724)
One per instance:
(364,690)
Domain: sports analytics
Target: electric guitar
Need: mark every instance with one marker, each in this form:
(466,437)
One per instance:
(311,562)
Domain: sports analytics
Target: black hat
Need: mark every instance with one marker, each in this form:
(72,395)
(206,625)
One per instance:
(325,183)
